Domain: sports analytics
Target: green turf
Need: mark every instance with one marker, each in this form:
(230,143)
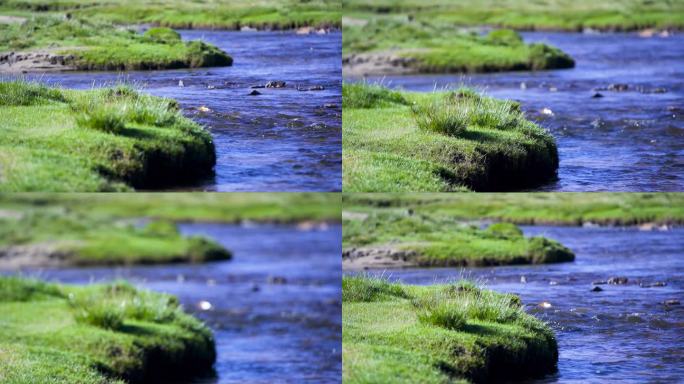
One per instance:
(97,334)
(442,141)
(530,208)
(89,45)
(96,239)
(96,140)
(438,240)
(212,14)
(204,207)
(394,333)
(441,48)
(573,15)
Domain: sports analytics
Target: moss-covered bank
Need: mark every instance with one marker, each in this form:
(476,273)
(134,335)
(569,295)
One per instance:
(97,334)
(45,43)
(426,241)
(389,45)
(531,208)
(394,333)
(569,15)
(444,141)
(51,236)
(96,140)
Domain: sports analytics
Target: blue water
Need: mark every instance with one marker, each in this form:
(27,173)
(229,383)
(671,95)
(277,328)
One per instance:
(266,332)
(625,141)
(623,334)
(282,140)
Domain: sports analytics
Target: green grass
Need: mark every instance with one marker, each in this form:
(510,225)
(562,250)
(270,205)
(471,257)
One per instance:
(571,15)
(440,241)
(213,14)
(101,46)
(395,333)
(530,208)
(95,239)
(439,48)
(106,139)
(197,207)
(97,334)
(442,141)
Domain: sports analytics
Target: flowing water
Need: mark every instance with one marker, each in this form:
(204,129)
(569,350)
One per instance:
(285,139)
(276,307)
(624,141)
(624,333)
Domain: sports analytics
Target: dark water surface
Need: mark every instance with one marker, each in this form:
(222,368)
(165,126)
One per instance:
(625,141)
(624,333)
(281,140)
(267,330)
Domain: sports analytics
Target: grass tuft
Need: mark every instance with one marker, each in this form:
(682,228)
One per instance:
(441,115)
(367,95)
(25,93)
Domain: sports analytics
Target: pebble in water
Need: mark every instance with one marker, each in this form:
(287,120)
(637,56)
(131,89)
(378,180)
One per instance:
(204,305)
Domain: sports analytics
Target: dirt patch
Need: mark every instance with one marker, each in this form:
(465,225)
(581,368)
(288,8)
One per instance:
(43,60)
(377,63)
(32,255)
(377,257)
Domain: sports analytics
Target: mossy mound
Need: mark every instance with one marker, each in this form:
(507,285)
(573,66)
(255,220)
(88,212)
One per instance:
(394,333)
(440,48)
(97,140)
(444,141)
(97,334)
(440,242)
(52,236)
(89,45)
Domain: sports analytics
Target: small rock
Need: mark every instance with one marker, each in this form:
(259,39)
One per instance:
(619,280)
(647,33)
(671,302)
(553,282)
(545,304)
(275,84)
(203,109)
(523,280)
(254,93)
(597,95)
(523,86)
(277,280)
(181,84)
(330,106)
(204,305)
(547,111)
(597,289)
(210,87)
(316,88)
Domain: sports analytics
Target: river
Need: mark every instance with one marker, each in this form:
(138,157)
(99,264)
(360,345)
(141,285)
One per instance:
(276,307)
(624,141)
(281,140)
(624,333)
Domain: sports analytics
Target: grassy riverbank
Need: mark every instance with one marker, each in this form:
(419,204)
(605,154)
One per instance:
(52,236)
(217,14)
(394,333)
(56,43)
(97,334)
(198,207)
(531,208)
(96,140)
(571,15)
(426,241)
(443,141)
(391,45)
